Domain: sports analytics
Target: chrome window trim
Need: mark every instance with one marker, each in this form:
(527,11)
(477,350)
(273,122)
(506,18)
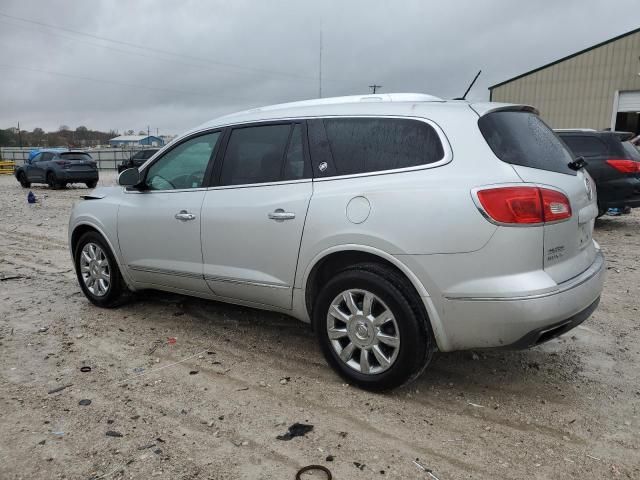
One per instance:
(446,146)
(263,184)
(129,190)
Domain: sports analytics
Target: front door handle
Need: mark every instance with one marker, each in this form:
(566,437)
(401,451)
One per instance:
(184,216)
(280,215)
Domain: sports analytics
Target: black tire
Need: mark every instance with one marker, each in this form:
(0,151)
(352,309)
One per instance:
(417,343)
(92,184)
(52,181)
(22,178)
(117,291)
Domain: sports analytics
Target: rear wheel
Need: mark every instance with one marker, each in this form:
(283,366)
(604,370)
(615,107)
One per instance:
(98,273)
(52,181)
(370,332)
(22,178)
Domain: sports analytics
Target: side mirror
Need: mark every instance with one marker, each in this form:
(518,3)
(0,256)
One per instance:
(129,178)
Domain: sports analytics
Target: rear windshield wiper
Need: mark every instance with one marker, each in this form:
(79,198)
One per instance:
(577,164)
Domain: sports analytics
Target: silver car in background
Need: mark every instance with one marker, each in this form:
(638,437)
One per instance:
(396,224)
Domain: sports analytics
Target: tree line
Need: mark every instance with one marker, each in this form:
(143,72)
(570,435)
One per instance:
(63,137)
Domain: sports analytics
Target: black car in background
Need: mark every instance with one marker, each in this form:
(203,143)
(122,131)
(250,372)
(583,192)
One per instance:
(58,168)
(137,159)
(612,161)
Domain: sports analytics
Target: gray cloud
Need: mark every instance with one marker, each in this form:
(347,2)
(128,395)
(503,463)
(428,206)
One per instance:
(232,55)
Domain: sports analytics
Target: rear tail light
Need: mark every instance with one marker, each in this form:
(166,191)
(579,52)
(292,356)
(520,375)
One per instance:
(524,205)
(625,166)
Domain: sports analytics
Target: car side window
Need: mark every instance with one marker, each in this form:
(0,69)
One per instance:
(45,157)
(255,154)
(37,158)
(345,146)
(183,166)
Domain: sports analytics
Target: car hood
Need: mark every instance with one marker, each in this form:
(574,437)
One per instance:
(102,192)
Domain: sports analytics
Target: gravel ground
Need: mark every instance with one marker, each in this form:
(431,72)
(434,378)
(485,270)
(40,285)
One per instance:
(210,404)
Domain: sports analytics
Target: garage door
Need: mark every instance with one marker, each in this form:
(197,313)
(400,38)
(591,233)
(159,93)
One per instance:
(629,101)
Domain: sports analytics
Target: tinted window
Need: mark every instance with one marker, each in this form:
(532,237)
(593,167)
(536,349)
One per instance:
(294,163)
(37,158)
(585,146)
(76,156)
(631,151)
(521,138)
(360,145)
(183,166)
(255,154)
(46,157)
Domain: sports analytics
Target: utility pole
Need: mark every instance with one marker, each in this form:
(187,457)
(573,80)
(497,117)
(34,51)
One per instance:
(19,136)
(374,87)
(320,66)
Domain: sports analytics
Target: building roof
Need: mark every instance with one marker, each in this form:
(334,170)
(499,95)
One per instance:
(565,58)
(131,138)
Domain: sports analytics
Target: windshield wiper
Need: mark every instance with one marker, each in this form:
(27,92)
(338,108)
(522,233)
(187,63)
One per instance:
(577,164)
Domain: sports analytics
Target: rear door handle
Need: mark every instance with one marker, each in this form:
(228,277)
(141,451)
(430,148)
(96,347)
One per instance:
(184,216)
(280,215)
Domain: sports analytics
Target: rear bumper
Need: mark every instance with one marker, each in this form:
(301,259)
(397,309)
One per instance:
(624,192)
(521,322)
(87,176)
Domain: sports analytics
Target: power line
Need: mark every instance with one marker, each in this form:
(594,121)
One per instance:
(374,87)
(131,85)
(156,50)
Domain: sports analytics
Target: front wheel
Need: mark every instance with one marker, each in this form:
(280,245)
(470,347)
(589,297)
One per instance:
(370,332)
(52,181)
(22,178)
(97,272)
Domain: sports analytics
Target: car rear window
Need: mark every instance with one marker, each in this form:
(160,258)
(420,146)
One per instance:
(522,138)
(76,156)
(585,145)
(364,145)
(632,151)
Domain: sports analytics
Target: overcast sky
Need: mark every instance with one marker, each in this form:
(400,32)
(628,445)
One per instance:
(175,64)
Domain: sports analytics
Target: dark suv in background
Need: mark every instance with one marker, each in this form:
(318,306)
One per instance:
(58,168)
(612,161)
(136,160)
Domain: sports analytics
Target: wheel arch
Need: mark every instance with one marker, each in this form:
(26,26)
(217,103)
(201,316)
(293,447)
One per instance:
(337,258)
(80,229)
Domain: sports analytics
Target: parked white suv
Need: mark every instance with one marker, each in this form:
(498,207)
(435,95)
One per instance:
(396,224)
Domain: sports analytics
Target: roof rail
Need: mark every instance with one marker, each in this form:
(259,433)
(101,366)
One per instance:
(378,97)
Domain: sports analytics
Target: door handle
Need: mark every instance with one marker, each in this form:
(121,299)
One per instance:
(184,216)
(280,215)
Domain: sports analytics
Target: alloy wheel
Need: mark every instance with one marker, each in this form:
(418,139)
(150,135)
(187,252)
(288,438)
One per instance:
(363,331)
(95,269)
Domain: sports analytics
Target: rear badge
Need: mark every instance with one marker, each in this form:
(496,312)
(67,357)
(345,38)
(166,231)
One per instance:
(587,184)
(323,166)
(555,253)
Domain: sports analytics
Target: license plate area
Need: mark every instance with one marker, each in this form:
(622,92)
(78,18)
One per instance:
(584,234)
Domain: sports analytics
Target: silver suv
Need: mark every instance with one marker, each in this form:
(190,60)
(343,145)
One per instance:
(395,224)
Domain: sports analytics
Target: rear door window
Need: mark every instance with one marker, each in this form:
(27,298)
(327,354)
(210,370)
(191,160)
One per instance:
(585,146)
(255,155)
(364,145)
(522,138)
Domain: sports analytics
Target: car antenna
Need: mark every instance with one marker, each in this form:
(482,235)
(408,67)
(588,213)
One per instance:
(472,82)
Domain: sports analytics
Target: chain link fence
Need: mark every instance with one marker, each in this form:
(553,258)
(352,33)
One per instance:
(106,158)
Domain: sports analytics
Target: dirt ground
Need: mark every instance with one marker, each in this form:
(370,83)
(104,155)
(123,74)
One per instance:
(211,405)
